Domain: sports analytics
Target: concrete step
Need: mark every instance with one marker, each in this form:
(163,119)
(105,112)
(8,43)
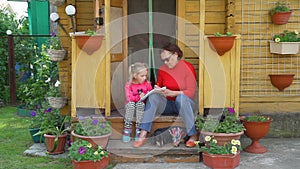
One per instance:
(125,152)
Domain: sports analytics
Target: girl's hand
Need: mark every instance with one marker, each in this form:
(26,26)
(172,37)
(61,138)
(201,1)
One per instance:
(142,95)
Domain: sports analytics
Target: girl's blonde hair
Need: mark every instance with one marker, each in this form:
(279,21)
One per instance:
(136,68)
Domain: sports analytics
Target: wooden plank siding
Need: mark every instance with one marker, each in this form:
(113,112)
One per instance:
(249,19)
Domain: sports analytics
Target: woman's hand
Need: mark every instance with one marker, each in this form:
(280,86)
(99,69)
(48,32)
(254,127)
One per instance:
(171,93)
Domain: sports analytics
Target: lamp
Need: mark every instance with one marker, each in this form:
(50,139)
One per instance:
(54,17)
(70,11)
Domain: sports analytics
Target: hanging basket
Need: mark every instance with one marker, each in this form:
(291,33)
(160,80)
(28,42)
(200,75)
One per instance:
(281,18)
(56,55)
(57,2)
(57,102)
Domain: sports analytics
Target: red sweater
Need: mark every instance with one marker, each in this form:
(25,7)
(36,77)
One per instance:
(180,78)
(132,90)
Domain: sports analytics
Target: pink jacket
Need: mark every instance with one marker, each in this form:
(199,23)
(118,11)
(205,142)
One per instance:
(132,91)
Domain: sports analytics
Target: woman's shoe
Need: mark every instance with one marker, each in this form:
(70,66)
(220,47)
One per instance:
(191,141)
(139,142)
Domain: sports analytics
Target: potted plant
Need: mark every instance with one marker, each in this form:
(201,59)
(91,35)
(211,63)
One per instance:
(280,13)
(217,156)
(89,42)
(54,96)
(286,42)
(55,50)
(224,128)
(54,130)
(84,155)
(93,129)
(257,127)
(35,123)
(221,43)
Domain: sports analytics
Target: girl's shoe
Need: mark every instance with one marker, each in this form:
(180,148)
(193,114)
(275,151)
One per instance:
(126,135)
(137,134)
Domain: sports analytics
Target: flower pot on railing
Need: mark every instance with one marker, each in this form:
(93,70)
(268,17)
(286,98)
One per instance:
(57,2)
(89,44)
(281,81)
(221,44)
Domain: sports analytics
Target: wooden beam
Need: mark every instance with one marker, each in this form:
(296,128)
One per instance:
(107,58)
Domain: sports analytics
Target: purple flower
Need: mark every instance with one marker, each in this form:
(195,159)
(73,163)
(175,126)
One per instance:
(95,121)
(81,118)
(231,110)
(81,150)
(103,125)
(53,34)
(49,110)
(33,113)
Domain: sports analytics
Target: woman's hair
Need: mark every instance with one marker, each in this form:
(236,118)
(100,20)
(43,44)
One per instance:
(136,68)
(173,48)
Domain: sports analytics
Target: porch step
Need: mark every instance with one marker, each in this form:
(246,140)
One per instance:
(125,152)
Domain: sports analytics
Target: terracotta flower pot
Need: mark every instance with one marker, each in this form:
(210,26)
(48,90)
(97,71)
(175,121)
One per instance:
(223,138)
(50,140)
(89,44)
(281,18)
(221,161)
(221,44)
(256,131)
(90,164)
(94,140)
(281,81)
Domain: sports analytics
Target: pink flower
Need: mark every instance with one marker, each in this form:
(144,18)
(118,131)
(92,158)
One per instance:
(231,110)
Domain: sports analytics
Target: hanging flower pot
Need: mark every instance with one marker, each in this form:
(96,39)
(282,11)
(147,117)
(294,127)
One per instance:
(281,81)
(280,13)
(221,44)
(284,47)
(57,2)
(281,18)
(89,44)
(56,55)
(57,102)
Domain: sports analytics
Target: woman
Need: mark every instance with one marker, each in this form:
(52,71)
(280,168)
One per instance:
(179,78)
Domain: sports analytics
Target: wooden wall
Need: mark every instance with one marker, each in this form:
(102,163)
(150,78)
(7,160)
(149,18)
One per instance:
(249,19)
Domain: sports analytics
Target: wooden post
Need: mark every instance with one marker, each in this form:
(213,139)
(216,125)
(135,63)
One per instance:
(11,68)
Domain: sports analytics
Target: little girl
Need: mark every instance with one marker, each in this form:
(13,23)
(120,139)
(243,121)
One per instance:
(136,87)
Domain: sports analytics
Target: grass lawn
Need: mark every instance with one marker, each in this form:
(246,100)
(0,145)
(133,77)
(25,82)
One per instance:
(15,139)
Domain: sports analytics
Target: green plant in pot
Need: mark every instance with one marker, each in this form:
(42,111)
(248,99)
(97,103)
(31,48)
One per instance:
(220,156)
(286,42)
(55,97)
(54,128)
(55,49)
(280,13)
(224,125)
(257,126)
(84,155)
(93,129)
(36,119)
